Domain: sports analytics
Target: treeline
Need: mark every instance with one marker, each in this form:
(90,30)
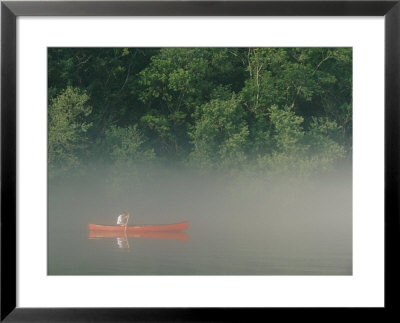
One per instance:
(261,109)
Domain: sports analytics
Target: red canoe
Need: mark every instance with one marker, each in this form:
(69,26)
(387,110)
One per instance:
(177,235)
(141,228)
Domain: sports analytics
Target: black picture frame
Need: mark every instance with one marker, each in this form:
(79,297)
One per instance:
(10,10)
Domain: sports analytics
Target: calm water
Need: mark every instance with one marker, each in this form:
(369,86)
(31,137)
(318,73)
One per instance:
(246,227)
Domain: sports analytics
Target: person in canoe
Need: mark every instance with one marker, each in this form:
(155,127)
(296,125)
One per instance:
(123,219)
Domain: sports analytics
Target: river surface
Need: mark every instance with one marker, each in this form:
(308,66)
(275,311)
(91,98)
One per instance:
(246,227)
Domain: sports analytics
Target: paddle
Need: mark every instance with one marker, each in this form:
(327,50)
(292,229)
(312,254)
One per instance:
(126,223)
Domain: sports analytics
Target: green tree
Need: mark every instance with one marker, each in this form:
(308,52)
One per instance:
(288,131)
(219,134)
(67,128)
(126,147)
(222,108)
(177,81)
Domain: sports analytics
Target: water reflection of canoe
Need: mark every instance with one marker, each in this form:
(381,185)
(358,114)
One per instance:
(180,236)
(140,228)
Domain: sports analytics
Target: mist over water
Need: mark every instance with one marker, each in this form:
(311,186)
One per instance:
(240,225)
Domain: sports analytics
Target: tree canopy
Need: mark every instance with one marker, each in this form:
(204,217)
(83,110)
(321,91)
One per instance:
(262,109)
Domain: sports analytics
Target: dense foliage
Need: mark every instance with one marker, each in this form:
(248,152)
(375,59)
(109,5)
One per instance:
(262,109)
